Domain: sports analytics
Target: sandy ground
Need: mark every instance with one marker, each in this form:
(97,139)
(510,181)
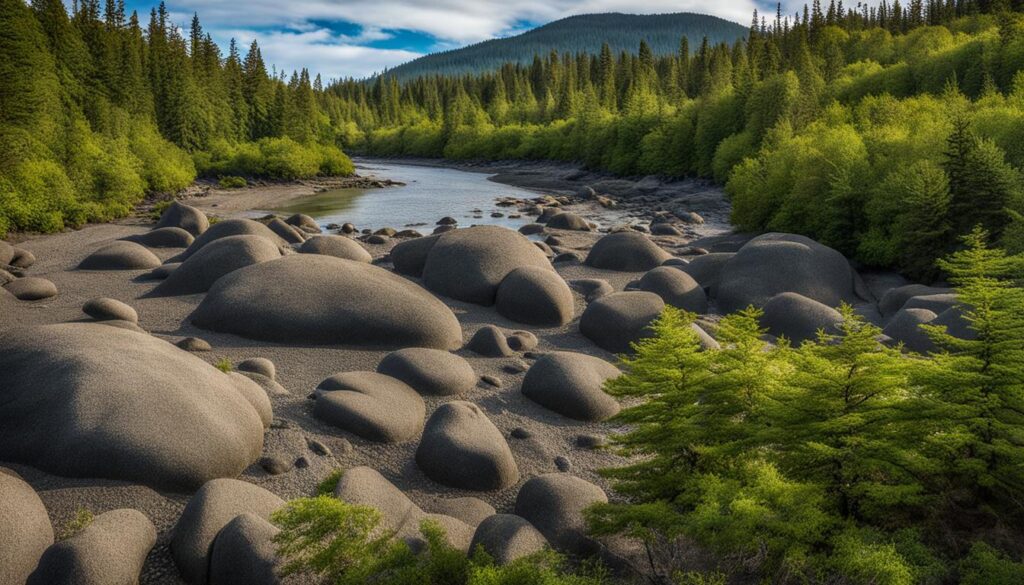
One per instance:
(300,369)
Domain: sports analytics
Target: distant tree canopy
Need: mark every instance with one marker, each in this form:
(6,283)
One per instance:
(97,110)
(883,131)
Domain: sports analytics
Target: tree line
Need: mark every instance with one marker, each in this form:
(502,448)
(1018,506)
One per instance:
(96,110)
(884,131)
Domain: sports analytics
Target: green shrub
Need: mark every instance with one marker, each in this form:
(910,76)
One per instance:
(224,365)
(327,486)
(83,518)
(232,182)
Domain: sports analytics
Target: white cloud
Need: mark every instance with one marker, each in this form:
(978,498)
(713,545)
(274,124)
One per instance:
(450,22)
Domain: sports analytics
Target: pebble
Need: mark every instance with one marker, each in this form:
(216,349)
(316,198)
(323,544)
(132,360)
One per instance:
(492,380)
(562,464)
(275,465)
(318,448)
(520,433)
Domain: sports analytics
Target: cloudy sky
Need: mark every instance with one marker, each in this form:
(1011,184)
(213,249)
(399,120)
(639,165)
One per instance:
(356,38)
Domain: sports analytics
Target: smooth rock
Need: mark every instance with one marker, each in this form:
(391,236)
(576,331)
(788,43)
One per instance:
(337,246)
(374,406)
(244,553)
(462,448)
(305,222)
(105,309)
(676,288)
(227,228)
(410,257)
(554,504)
(120,255)
(489,341)
(166,237)
(286,232)
(799,318)
(905,327)
(535,296)
(313,299)
(469,264)
(468,509)
(185,217)
(31,288)
(615,321)
(707,269)
(894,299)
(261,366)
(124,405)
(568,221)
(521,341)
(429,371)
(571,384)
(111,549)
(215,505)
(507,537)
(201,270)
(25,530)
(627,251)
(194,344)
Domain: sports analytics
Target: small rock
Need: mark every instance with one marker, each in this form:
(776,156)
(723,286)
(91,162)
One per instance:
(491,380)
(590,441)
(301,463)
(522,341)
(275,465)
(516,367)
(261,366)
(318,448)
(562,464)
(194,344)
(104,309)
(520,433)
(489,341)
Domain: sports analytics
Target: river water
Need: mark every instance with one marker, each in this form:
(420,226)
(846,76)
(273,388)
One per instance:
(429,194)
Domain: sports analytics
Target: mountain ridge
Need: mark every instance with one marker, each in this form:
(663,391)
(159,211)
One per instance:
(578,33)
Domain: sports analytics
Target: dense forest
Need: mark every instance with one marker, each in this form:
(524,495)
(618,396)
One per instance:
(883,131)
(576,34)
(96,111)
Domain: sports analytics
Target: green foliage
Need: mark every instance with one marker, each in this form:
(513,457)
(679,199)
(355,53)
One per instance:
(232,182)
(841,460)
(224,365)
(83,518)
(327,486)
(342,544)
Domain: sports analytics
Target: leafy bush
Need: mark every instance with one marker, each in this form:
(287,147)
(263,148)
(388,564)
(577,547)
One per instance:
(83,518)
(342,544)
(232,182)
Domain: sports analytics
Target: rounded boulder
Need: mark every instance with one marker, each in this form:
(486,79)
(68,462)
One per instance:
(905,327)
(571,385)
(535,296)
(31,288)
(244,552)
(201,270)
(185,217)
(469,264)
(308,298)
(120,255)
(676,288)
(337,246)
(374,406)
(166,237)
(111,549)
(507,537)
(462,448)
(410,257)
(227,228)
(615,321)
(105,309)
(568,221)
(799,318)
(25,530)
(626,251)
(429,371)
(554,504)
(124,405)
(771,264)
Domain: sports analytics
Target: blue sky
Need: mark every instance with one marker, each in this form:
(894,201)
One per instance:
(356,38)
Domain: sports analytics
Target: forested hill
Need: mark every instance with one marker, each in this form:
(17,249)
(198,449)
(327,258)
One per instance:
(585,33)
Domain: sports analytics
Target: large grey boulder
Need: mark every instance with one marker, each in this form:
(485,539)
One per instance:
(227,228)
(308,298)
(167,237)
(106,309)
(371,405)
(286,232)
(535,296)
(244,553)
(111,549)
(707,269)
(568,221)
(399,515)
(799,318)
(25,530)
(554,504)
(123,405)
(955,323)
(905,327)
(215,505)
(223,256)
(410,256)
(304,222)
(626,251)
(937,303)
(462,448)
(615,321)
(676,288)
(120,255)
(23,258)
(185,217)
(571,385)
(429,371)
(31,288)
(469,264)
(470,510)
(6,252)
(337,246)
(776,263)
(894,299)
(507,537)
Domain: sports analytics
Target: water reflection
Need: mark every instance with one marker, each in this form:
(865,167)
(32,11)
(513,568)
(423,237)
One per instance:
(428,195)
